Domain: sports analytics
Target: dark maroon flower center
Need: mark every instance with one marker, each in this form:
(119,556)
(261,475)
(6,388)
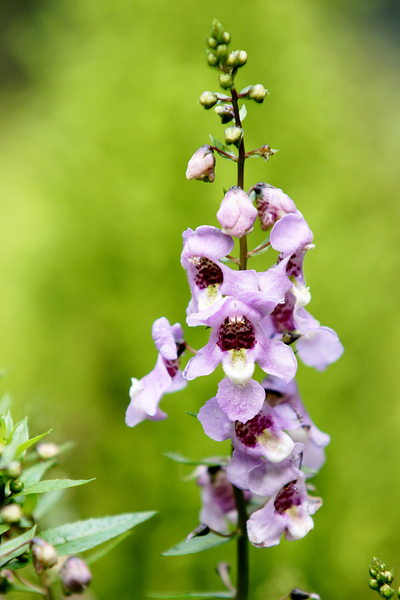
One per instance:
(172,366)
(207,273)
(288,496)
(293,268)
(236,333)
(282,315)
(250,431)
(222,489)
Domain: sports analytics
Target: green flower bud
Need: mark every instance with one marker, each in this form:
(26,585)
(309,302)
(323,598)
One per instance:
(398,592)
(374,584)
(212,59)
(225,80)
(226,37)
(233,59)
(386,591)
(212,42)
(11,513)
(242,58)
(222,51)
(6,581)
(14,469)
(257,92)
(44,555)
(16,486)
(387,576)
(217,31)
(225,111)
(208,99)
(233,135)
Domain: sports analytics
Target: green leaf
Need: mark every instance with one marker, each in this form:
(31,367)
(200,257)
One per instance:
(4,528)
(49,485)
(106,548)
(18,436)
(211,461)
(5,401)
(198,544)
(192,595)
(192,414)
(245,90)
(66,447)
(35,473)
(221,147)
(16,546)
(22,447)
(243,113)
(83,535)
(45,503)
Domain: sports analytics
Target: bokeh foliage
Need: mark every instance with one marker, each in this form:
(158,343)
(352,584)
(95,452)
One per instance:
(98,119)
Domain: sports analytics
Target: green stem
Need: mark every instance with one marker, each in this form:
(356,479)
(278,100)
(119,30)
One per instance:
(242,577)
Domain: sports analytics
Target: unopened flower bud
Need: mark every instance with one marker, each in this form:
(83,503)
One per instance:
(6,581)
(233,135)
(44,555)
(11,513)
(47,450)
(75,575)
(212,59)
(298,594)
(386,591)
(216,30)
(201,165)
(14,469)
(272,204)
(237,213)
(222,51)
(257,92)
(225,111)
(233,59)
(242,58)
(225,80)
(212,42)
(226,37)
(16,486)
(208,99)
(387,576)
(374,584)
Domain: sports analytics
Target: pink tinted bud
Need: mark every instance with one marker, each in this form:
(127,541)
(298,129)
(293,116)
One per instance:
(75,575)
(272,204)
(44,555)
(237,213)
(201,165)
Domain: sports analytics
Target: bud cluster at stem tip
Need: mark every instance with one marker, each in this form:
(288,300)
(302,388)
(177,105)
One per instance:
(381,578)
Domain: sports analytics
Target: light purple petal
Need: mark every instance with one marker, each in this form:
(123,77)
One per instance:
(276,358)
(162,333)
(215,422)
(155,384)
(319,348)
(206,241)
(135,413)
(274,283)
(239,469)
(265,527)
(240,402)
(177,383)
(290,233)
(205,361)
(268,478)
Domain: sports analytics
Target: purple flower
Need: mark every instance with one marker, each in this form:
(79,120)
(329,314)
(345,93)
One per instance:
(209,279)
(279,394)
(165,377)
(237,213)
(238,342)
(201,165)
(272,204)
(288,512)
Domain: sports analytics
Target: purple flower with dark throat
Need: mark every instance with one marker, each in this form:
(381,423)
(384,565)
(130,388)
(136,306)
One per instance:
(165,377)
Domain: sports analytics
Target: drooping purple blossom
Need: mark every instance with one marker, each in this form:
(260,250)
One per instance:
(287,513)
(165,377)
(237,214)
(201,165)
(238,342)
(272,204)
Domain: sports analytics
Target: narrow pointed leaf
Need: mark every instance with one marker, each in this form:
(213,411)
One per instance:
(221,146)
(46,502)
(4,528)
(243,113)
(83,535)
(105,548)
(18,436)
(198,544)
(22,447)
(245,89)
(211,461)
(16,546)
(35,473)
(49,485)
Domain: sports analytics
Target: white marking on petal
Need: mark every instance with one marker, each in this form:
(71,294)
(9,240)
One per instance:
(237,366)
(208,296)
(277,447)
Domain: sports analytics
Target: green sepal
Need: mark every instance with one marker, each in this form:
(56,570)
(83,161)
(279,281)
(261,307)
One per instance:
(84,535)
(243,113)
(210,461)
(16,546)
(192,595)
(220,146)
(49,485)
(198,544)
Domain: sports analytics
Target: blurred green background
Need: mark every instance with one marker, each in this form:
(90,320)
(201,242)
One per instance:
(98,117)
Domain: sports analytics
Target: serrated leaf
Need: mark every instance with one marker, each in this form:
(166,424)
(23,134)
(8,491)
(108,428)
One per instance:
(106,548)
(192,595)
(84,535)
(22,447)
(220,146)
(211,461)
(16,546)
(243,113)
(35,473)
(49,485)
(198,544)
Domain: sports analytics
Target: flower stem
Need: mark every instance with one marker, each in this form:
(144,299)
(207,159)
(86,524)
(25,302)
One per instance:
(242,577)
(240,175)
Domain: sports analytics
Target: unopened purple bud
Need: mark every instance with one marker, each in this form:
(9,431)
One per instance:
(201,165)
(272,204)
(237,213)
(44,555)
(75,575)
